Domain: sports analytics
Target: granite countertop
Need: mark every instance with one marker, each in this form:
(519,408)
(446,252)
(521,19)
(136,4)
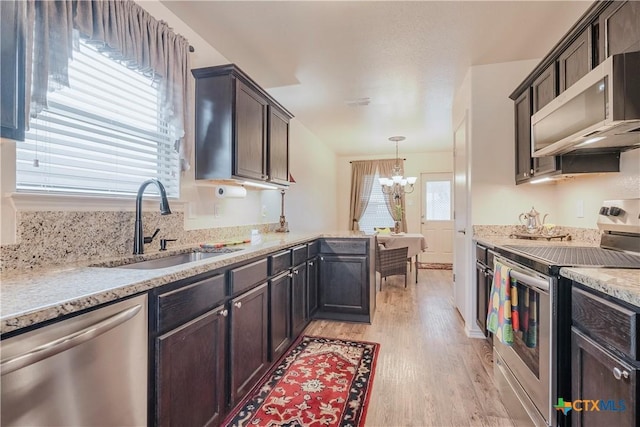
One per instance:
(36,296)
(623,284)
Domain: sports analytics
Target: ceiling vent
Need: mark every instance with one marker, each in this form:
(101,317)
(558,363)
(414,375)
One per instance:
(358,102)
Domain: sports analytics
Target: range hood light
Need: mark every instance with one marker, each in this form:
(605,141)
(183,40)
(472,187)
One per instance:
(540,180)
(258,185)
(591,141)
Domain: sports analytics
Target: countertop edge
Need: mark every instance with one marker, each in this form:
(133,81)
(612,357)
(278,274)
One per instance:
(140,280)
(623,284)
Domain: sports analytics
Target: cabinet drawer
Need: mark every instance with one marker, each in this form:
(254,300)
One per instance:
(299,254)
(344,246)
(177,307)
(605,321)
(279,262)
(242,278)
(313,248)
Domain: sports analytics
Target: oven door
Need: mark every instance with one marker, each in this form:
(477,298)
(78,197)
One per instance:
(529,357)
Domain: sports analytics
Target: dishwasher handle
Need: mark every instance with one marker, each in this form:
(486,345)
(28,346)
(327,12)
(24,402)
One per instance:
(59,345)
(526,277)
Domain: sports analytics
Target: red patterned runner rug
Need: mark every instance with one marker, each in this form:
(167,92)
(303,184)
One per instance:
(318,382)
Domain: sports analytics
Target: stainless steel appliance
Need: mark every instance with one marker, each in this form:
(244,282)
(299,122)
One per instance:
(88,370)
(534,378)
(601,110)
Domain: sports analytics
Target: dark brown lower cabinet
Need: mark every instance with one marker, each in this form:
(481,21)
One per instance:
(249,340)
(343,284)
(312,286)
(597,374)
(299,315)
(191,372)
(279,310)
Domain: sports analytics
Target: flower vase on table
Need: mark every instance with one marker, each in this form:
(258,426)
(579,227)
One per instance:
(396,227)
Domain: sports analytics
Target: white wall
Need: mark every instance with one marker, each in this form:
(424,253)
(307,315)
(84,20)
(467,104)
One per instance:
(416,163)
(311,201)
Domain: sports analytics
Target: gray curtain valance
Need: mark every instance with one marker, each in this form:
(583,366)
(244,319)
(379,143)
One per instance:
(122,30)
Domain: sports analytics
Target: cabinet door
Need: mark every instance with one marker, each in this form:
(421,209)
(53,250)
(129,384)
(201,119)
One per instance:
(278,147)
(190,372)
(481,298)
(250,128)
(575,61)
(343,284)
(544,88)
(523,137)
(279,312)
(619,28)
(298,300)
(597,374)
(249,341)
(11,73)
(312,286)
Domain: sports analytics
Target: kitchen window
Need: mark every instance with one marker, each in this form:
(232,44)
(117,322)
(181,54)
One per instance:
(103,135)
(376,214)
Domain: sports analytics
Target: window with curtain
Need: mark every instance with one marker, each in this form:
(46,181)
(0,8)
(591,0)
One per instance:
(376,214)
(105,134)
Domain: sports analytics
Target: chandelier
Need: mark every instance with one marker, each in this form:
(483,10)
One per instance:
(397,184)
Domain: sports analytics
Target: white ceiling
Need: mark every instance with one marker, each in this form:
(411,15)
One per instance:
(407,57)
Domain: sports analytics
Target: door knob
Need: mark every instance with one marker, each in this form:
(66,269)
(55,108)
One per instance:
(463,231)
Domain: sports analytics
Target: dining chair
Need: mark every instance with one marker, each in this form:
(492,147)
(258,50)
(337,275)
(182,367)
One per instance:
(391,262)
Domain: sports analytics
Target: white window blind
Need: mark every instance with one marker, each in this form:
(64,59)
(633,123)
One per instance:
(376,214)
(102,136)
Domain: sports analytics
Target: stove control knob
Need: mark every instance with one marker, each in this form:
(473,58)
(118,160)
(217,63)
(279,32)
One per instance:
(615,211)
(604,211)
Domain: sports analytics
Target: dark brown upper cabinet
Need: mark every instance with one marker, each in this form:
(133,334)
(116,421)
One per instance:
(11,73)
(278,146)
(523,137)
(619,29)
(241,131)
(544,88)
(575,61)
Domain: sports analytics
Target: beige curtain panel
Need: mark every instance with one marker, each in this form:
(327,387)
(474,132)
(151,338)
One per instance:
(122,30)
(385,168)
(362,173)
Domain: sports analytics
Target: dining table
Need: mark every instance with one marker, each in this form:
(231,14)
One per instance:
(415,242)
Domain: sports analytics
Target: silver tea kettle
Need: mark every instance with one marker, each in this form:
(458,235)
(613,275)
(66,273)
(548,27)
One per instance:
(531,221)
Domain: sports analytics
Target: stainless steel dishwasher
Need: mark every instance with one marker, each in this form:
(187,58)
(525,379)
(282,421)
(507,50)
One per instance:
(88,370)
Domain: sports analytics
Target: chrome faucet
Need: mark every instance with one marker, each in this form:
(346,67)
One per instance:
(138,239)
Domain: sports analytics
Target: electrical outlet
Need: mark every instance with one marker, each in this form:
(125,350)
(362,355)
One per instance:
(580,209)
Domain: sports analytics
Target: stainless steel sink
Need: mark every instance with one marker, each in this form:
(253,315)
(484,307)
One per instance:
(174,260)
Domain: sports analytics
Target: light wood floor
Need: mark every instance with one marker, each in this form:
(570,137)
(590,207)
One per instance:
(428,373)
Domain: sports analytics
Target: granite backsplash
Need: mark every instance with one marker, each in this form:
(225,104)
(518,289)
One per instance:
(587,235)
(55,238)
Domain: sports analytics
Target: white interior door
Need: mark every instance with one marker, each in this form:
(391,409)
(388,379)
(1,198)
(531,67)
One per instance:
(460,193)
(437,217)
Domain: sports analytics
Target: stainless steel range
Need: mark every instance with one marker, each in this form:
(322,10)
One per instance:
(538,372)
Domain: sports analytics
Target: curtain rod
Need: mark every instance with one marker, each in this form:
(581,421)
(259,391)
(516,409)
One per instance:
(371,159)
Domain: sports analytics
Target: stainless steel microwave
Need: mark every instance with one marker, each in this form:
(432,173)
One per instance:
(599,111)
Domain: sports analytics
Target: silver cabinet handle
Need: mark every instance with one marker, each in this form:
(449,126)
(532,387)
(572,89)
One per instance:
(296,271)
(61,344)
(321,258)
(238,304)
(310,262)
(290,274)
(618,374)
(224,313)
(463,231)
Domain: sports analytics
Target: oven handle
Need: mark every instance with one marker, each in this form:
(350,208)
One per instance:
(529,279)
